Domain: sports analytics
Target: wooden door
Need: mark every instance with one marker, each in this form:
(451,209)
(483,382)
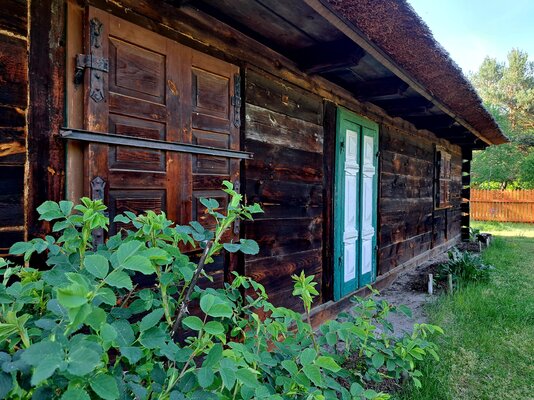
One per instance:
(355,203)
(157,89)
(138,97)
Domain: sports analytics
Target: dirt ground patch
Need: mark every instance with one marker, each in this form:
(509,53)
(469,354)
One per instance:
(410,289)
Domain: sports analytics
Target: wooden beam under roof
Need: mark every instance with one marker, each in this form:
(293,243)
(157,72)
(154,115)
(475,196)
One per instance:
(330,56)
(407,106)
(431,122)
(379,89)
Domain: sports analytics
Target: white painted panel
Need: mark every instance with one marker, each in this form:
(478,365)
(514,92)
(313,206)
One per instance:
(368,232)
(367,256)
(350,233)
(349,266)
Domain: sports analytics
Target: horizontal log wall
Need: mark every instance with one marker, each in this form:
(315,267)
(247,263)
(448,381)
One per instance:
(13,117)
(408,223)
(283,128)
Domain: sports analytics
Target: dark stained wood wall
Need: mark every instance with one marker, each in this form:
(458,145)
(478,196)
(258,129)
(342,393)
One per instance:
(283,128)
(408,222)
(13,114)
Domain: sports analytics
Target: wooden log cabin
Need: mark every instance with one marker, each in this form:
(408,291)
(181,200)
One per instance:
(345,119)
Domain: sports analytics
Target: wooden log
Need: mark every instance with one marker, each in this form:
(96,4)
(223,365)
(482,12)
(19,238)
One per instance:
(271,127)
(13,69)
(284,164)
(268,91)
(14,17)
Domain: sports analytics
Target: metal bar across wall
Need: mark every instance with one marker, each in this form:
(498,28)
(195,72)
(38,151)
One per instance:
(122,140)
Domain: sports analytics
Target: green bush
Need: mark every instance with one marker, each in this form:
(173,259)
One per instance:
(465,267)
(84,329)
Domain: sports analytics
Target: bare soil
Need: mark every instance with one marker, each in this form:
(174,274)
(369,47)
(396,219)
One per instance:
(410,289)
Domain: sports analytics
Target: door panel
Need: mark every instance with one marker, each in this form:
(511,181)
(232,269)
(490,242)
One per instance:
(355,198)
(158,89)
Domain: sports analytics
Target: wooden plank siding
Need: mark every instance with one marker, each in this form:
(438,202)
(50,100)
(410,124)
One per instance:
(408,222)
(502,205)
(288,122)
(283,128)
(13,116)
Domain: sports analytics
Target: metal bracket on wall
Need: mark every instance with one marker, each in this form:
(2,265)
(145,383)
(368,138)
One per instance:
(130,141)
(97,193)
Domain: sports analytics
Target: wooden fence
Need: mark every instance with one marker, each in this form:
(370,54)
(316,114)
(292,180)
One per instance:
(502,205)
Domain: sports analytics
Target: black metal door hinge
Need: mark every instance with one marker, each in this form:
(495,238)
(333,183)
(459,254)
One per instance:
(94,61)
(236,100)
(84,61)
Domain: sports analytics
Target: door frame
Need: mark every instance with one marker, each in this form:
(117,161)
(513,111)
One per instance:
(346,119)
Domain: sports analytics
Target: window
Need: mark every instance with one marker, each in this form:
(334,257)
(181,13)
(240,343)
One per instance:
(442,178)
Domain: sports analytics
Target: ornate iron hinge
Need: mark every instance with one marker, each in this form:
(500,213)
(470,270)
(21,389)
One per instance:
(94,62)
(236,100)
(84,61)
(97,193)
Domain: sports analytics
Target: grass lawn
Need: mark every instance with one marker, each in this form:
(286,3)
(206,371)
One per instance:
(487,351)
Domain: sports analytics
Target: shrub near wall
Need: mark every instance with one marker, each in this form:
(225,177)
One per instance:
(83,329)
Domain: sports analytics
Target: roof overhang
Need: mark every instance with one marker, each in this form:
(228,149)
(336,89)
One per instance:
(379,50)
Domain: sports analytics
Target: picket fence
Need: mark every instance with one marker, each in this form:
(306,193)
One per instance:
(502,205)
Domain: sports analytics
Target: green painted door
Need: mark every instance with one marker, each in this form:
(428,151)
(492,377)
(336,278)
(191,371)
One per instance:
(355,203)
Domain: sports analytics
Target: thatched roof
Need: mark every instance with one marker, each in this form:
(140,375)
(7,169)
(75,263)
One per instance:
(394,27)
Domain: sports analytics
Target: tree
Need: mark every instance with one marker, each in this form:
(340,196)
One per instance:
(507,90)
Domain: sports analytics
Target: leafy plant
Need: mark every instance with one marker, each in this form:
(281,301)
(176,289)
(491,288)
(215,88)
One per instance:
(465,267)
(113,322)
(364,342)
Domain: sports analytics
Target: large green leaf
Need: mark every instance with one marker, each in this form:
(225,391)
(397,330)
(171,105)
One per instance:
(193,322)
(205,377)
(214,356)
(214,328)
(119,279)
(133,354)
(97,265)
(45,369)
(72,296)
(125,334)
(82,360)
(290,366)
(140,264)
(313,373)
(249,246)
(6,383)
(246,377)
(215,307)
(151,319)
(105,386)
(108,333)
(107,296)
(327,363)
(377,360)
(127,250)
(153,338)
(75,394)
(307,356)
(96,318)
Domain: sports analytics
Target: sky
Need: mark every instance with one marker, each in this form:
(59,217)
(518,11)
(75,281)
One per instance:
(470,30)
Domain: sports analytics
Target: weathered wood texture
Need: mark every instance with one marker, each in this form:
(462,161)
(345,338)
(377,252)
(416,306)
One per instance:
(283,130)
(46,152)
(13,114)
(409,224)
